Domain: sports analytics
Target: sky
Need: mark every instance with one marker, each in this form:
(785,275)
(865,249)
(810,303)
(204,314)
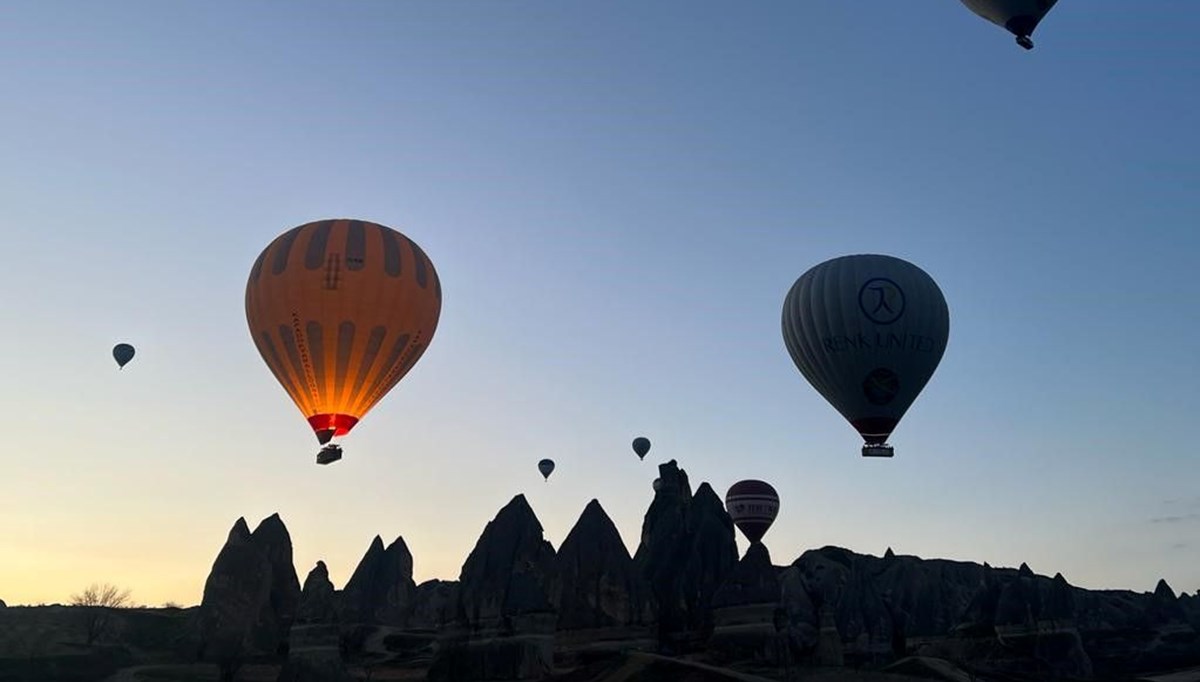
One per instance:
(617,196)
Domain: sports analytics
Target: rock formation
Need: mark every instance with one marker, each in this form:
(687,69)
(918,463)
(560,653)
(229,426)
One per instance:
(595,583)
(434,604)
(505,621)
(507,573)
(1020,622)
(518,606)
(744,611)
(235,594)
(271,631)
(687,551)
(314,652)
(381,591)
(250,596)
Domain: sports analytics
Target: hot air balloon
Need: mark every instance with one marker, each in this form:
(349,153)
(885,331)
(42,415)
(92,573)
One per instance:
(867,331)
(122,353)
(546,466)
(340,311)
(657,484)
(641,445)
(1019,17)
(753,506)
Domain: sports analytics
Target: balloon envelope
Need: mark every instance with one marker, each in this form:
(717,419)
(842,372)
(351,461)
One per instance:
(753,505)
(641,445)
(867,331)
(122,353)
(340,311)
(546,466)
(657,484)
(1019,17)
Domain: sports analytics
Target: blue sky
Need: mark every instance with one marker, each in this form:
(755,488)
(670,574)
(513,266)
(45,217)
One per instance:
(617,197)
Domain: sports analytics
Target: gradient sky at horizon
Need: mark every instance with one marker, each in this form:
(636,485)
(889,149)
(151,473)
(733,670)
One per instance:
(616,196)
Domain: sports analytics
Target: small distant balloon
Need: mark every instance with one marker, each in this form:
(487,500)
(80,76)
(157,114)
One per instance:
(641,445)
(122,353)
(657,484)
(753,506)
(546,466)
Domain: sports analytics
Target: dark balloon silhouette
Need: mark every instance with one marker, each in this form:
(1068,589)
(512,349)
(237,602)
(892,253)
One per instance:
(657,485)
(753,506)
(641,446)
(546,466)
(1018,17)
(122,353)
(867,331)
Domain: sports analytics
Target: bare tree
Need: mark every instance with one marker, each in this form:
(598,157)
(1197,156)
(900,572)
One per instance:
(98,601)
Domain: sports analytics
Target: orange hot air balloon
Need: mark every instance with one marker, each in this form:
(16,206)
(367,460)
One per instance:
(340,311)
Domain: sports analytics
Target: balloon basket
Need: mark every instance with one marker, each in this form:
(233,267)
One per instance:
(884,450)
(329,454)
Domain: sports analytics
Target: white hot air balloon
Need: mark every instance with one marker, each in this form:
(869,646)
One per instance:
(867,331)
(1019,17)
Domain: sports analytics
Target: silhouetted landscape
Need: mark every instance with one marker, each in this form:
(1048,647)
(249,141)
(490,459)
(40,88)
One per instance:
(683,607)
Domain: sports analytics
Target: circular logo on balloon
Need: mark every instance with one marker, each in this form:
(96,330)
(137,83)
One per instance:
(881,300)
(881,386)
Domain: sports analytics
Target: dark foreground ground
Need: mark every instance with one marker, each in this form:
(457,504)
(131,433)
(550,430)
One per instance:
(49,644)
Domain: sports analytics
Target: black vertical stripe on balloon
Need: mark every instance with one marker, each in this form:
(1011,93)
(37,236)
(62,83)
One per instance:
(344,348)
(418,262)
(406,363)
(374,341)
(256,270)
(278,368)
(283,248)
(293,344)
(314,255)
(356,246)
(316,348)
(390,367)
(392,264)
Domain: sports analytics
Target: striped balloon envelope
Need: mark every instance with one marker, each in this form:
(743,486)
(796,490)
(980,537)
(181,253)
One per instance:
(753,506)
(340,311)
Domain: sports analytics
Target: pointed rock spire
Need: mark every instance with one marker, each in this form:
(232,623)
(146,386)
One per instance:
(240,531)
(381,590)
(271,537)
(754,580)
(507,573)
(317,598)
(595,582)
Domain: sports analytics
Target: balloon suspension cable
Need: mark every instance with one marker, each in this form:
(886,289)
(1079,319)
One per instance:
(878,450)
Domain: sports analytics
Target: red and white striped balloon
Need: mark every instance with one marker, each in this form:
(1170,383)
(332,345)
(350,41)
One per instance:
(753,506)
